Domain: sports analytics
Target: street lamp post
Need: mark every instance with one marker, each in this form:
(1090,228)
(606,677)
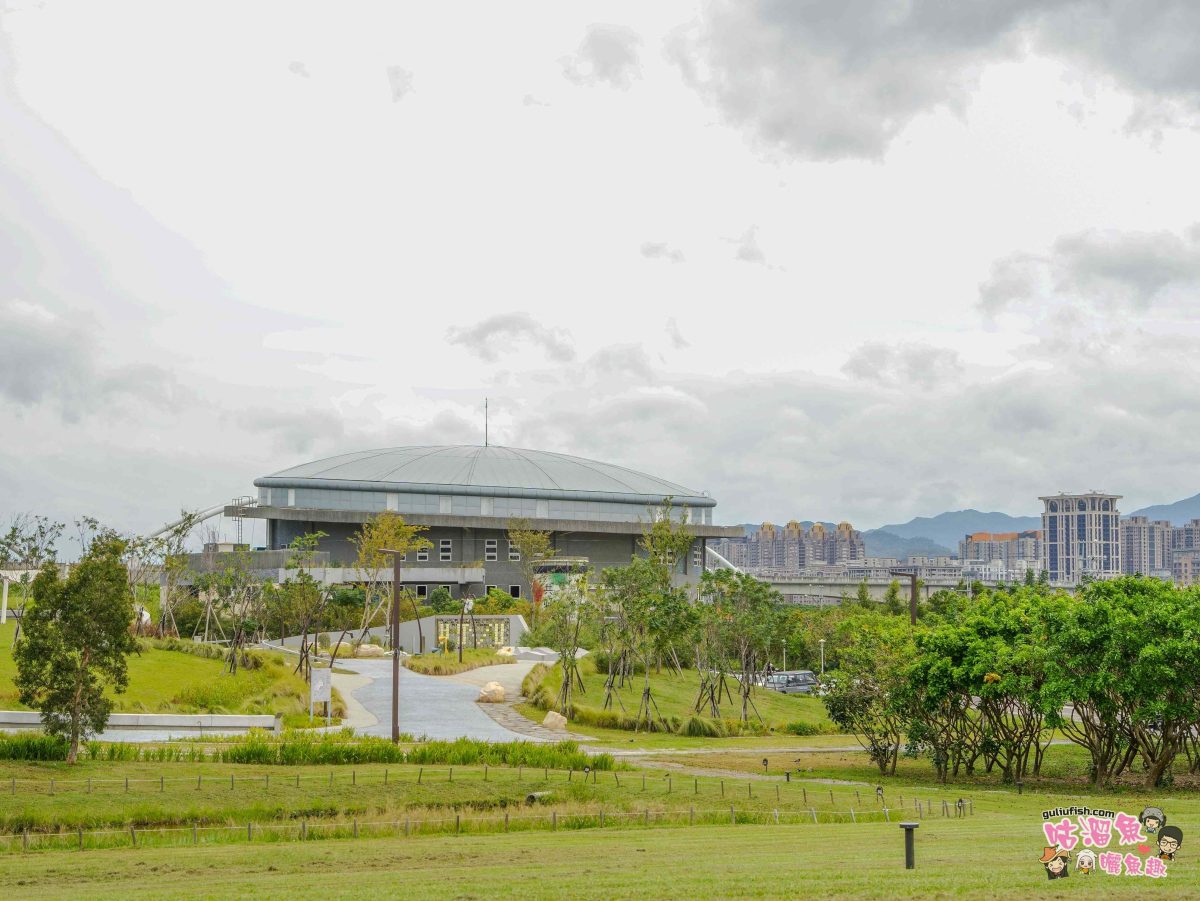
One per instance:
(4,600)
(397,556)
(821,642)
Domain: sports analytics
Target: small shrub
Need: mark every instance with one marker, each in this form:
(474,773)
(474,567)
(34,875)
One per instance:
(802,728)
(32,746)
(701,727)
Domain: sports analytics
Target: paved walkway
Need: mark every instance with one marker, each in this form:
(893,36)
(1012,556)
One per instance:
(434,706)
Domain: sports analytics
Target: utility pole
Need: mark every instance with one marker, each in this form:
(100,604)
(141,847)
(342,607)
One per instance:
(397,556)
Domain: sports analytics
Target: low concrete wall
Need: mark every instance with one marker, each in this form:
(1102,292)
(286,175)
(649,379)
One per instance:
(21,720)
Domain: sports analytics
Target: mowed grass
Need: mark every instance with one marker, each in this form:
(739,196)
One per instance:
(675,695)
(447,663)
(984,857)
(175,682)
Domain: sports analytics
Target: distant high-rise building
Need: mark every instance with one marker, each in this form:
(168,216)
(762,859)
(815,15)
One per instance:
(1015,551)
(1081,537)
(1146,546)
(1185,567)
(791,549)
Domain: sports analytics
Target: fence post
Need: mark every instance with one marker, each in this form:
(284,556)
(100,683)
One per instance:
(25,840)
(643,781)
(885,815)
(732,816)
(831,796)
(668,783)
(406,825)
(198,778)
(451,774)
(805,790)
(14,786)
(554,820)
(617,779)
(749,791)
(697,786)
(133,836)
(231,781)
(506,821)
(692,815)
(457,823)
(813,811)
(161,783)
(945,808)
(972,803)
(420,773)
(52,786)
(80,838)
(853,819)
(297,780)
(356,827)
(268,783)
(385,774)
(126,784)
(857,799)
(722,788)
(646,817)
(250,832)
(601,817)
(777,816)
(354,777)
(331,778)
(303,830)
(485,778)
(89,791)
(195,835)
(570,773)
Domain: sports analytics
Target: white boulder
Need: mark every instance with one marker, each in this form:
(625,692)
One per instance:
(492,693)
(370,650)
(555,720)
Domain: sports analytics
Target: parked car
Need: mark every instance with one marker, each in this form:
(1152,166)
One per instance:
(796,682)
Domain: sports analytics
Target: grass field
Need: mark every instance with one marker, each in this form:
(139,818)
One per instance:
(675,696)
(175,682)
(447,664)
(991,855)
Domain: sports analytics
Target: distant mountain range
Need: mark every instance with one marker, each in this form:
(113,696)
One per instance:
(939,535)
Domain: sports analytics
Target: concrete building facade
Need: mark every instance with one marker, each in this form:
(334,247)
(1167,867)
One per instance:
(1146,546)
(466,498)
(1081,537)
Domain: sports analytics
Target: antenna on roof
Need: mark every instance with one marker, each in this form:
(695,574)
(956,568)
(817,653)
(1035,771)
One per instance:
(485,423)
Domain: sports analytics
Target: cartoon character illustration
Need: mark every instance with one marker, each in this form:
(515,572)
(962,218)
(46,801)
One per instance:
(1169,840)
(1153,819)
(1085,861)
(1057,862)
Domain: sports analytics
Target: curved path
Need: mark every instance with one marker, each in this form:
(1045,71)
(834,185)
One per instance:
(435,706)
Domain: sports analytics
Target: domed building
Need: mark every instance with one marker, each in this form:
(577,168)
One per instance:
(466,496)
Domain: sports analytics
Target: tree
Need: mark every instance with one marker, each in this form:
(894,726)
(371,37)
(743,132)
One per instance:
(28,544)
(748,614)
(861,695)
(441,601)
(863,595)
(892,601)
(76,640)
(386,532)
(533,548)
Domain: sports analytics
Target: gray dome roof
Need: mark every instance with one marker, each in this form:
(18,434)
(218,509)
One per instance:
(488,471)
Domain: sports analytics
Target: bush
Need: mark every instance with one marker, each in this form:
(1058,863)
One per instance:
(802,728)
(701,727)
(32,746)
(448,665)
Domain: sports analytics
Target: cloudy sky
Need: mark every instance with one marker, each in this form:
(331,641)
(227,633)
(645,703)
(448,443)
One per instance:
(868,259)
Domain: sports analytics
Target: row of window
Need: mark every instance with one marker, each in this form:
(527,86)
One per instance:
(422,591)
(445,549)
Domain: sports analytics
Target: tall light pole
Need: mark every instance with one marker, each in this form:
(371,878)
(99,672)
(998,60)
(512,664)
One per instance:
(397,556)
(4,600)
(822,643)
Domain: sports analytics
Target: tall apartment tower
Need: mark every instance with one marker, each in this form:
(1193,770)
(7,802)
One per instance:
(1146,546)
(1081,536)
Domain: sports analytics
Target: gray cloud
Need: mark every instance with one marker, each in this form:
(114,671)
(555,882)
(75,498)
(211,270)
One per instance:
(48,359)
(296,67)
(748,250)
(1100,270)
(496,335)
(400,80)
(921,365)
(677,340)
(828,81)
(652,250)
(608,54)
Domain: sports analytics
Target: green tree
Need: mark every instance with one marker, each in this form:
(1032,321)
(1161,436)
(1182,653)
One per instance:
(372,542)
(748,612)
(863,595)
(533,549)
(861,695)
(441,601)
(75,643)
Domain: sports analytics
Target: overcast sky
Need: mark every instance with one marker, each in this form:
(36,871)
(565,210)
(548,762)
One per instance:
(859,260)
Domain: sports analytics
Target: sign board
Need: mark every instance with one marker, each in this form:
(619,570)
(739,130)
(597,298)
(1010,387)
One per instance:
(320,688)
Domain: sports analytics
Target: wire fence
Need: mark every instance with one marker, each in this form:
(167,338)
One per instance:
(632,781)
(555,820)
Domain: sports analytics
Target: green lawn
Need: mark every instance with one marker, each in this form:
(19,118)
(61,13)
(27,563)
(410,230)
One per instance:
(675,695)
(174,682)
(447,663)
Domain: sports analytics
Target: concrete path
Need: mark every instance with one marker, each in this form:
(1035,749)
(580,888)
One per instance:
(437,706)
(511,675)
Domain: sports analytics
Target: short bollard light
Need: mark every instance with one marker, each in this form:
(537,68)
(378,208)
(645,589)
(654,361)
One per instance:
(765,765)
(910,850)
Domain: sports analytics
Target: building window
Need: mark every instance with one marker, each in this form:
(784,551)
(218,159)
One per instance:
(514,556)
(449,589)
(490,550)
(423,555)
(696,556)
(422,591)
(514,591)
(445,550)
